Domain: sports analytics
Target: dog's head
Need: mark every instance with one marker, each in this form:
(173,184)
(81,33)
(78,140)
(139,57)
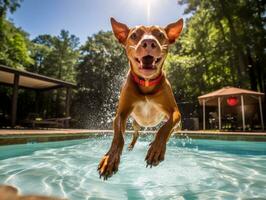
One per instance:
(146,46)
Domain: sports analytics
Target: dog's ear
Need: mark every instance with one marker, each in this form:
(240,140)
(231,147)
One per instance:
(173,30)
(120,30)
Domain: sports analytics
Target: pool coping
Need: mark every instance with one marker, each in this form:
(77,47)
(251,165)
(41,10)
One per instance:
(15,136)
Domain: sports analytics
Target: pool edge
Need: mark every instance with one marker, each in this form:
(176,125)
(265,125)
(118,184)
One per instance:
(35,136)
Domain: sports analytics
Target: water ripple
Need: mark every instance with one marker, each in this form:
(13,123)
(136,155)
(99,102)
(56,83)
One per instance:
(190,171)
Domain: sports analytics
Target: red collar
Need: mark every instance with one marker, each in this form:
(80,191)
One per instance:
(146,83)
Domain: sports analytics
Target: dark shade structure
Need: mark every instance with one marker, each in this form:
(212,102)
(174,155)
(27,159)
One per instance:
(232,94)
(24,79)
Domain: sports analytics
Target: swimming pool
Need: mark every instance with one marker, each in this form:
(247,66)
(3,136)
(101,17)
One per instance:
(193,169)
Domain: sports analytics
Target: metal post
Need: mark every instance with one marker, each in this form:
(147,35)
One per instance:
(261,114)
(14,100)
(37,98)
(68,97)
(243,112)
(204,125)
(219,113)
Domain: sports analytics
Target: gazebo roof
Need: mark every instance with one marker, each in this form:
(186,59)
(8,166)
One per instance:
(30,80)
(228,91)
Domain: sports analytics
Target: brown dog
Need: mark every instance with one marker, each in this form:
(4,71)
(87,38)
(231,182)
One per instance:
(146,95)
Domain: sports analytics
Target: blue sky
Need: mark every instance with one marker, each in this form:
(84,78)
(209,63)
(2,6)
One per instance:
(86,17)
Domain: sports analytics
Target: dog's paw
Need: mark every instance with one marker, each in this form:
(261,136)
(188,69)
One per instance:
(108,165)
(155,153)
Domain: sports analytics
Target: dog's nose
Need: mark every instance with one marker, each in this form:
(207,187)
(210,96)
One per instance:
(149,43)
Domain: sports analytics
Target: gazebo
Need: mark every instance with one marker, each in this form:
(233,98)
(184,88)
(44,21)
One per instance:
(232,96)
(23,79)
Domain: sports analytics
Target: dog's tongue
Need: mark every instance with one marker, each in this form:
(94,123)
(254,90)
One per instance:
(147,62)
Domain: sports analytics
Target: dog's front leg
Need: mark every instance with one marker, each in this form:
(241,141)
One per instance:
(157,148)
(109,163)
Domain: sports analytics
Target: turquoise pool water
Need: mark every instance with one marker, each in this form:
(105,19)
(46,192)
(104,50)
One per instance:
(193,169)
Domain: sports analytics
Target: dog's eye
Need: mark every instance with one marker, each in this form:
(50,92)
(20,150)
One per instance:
(133,36)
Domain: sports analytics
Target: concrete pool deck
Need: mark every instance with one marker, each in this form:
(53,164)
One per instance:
(20,136)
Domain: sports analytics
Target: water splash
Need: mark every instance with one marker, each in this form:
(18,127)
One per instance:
(110,104)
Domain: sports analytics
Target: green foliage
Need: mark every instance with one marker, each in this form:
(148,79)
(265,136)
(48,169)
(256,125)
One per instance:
(13,41)
(184,76)
(222,44)
(14,46)
(8,5)
(56,56)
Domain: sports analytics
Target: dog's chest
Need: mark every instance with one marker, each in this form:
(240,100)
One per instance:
(147,113)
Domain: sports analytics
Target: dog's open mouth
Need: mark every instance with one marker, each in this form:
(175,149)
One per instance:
(148,62)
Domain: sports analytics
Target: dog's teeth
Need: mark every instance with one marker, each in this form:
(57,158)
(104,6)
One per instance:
(141,64)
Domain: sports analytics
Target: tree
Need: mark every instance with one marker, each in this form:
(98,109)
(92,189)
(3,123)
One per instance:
(14,42)
(8,5)
(56,56)
(239,29)
(14,46)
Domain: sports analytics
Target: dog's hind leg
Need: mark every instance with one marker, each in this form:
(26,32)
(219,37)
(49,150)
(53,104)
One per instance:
(135,135)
